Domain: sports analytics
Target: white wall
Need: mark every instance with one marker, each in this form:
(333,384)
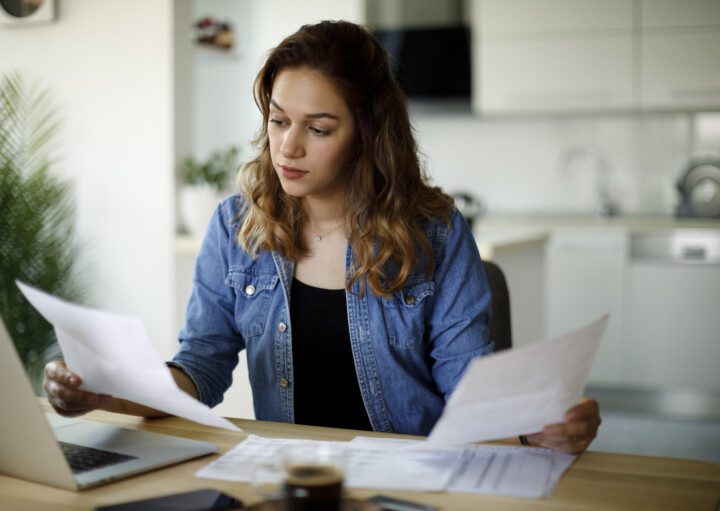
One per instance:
(510,163)
(109,65)
(225,112)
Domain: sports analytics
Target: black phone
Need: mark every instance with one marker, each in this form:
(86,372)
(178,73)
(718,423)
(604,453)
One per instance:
(395,504)
(198,500)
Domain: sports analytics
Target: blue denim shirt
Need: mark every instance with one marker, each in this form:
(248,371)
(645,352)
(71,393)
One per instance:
(410,349)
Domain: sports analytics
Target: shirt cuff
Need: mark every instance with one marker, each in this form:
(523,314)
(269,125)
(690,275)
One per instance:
(187,373)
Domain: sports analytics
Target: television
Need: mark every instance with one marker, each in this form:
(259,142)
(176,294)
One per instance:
(430,63)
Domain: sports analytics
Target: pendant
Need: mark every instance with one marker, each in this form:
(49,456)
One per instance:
(318,238)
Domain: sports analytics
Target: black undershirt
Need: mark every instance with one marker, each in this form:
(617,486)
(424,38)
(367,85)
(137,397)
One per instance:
(326,390)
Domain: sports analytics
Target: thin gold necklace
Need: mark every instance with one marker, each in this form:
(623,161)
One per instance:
(319,237)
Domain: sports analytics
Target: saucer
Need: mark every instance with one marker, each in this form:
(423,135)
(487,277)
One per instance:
(347,505)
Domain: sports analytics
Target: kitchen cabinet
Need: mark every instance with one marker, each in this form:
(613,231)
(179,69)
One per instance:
(672,325)
(560,75)
(553,55)
(585,275)
(679,54)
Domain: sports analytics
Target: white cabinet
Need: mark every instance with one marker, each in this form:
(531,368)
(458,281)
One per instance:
(672,323)
(663,292)
(673,326)
(679,13)
(680,54)
(549,17)
(559,75)
(559,56)
(585,279)
(552,55)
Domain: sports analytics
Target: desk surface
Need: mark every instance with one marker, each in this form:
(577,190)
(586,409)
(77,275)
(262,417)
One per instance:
(595,481)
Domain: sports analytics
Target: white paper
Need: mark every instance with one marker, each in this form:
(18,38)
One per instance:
(114,355)
(492,469)
(519,391)
(409,465)
(366,466)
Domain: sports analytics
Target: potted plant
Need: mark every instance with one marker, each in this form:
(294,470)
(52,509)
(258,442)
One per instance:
(38,243)
(203,185)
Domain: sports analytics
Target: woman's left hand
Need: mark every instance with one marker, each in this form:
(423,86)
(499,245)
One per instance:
(575,434)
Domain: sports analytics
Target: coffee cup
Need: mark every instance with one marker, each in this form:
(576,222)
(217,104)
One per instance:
(304,477)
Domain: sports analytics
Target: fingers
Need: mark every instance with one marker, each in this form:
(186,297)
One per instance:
(57,371)
(575,434)
(61,386)
(585,408)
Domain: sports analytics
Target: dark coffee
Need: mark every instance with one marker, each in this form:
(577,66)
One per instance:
(313,487)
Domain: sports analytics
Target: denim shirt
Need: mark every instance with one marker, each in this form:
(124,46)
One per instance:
(410,349)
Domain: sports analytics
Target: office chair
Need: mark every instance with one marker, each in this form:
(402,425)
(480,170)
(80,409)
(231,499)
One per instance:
(500,329)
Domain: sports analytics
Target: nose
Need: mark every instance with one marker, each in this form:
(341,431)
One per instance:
(292,146)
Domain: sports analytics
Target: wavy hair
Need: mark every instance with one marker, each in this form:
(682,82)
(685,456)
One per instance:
(389,198)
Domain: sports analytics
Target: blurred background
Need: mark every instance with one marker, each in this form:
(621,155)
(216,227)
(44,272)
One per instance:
(582,137)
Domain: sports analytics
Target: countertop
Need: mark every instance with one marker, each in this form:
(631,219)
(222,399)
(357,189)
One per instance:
(588,221)
(505,231)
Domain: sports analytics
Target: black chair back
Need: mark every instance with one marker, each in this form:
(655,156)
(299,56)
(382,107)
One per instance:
(500,329)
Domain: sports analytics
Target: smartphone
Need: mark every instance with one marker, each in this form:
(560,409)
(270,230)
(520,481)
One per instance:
(198,500)
(394,504)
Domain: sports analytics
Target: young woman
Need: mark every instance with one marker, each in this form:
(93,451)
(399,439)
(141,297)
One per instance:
(355,288)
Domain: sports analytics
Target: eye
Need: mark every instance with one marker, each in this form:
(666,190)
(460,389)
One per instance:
(279,122)
(318,131)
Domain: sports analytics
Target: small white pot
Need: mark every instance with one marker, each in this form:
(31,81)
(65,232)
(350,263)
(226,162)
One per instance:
(197,205)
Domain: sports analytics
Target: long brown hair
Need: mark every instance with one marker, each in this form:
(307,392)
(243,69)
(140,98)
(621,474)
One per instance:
(388,198)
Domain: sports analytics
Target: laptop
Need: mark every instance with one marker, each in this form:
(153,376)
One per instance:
(72,453)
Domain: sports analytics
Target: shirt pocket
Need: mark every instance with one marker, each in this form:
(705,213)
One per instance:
(405,314)
(253,292)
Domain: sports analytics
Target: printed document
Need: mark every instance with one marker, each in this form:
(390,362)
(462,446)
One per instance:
(114,355)
(409,465)
(518,391)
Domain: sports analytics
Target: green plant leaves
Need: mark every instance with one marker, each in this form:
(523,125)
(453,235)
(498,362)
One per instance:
(37,225)
(216,171)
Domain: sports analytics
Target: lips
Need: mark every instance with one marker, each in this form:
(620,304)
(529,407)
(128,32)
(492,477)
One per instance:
(291,172)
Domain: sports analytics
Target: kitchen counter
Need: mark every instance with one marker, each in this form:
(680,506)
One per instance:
(492,240)
(582,221)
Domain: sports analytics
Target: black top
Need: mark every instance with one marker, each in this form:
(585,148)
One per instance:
(326,390)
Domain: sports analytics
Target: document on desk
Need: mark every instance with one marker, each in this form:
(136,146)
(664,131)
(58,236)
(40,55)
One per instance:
(114,355)
(518,391)
(367,466)
(491,469)
(409,465)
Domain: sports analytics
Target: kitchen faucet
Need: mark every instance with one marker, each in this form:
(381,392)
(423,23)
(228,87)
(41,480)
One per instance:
(607,206)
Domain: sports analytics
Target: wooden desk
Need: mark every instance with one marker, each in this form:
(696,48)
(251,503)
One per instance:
(596,480)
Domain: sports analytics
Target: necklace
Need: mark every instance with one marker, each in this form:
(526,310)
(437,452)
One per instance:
(319,237)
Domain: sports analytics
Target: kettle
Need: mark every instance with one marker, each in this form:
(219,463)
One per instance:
(699,187)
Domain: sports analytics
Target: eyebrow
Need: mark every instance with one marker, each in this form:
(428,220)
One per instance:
(320,115)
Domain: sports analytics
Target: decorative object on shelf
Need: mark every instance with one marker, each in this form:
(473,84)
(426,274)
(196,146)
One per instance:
(204,184)
(213,33)
(470,206)
(699,187)
(24,12)
(38,243)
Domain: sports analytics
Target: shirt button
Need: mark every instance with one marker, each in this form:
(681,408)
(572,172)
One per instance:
(284,383)
(250,290)
(409,299)
(282,327)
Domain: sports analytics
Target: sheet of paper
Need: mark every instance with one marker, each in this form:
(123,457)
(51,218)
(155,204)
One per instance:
(114,355)
(519,391)
(368,466)
(408,465)
(492,469)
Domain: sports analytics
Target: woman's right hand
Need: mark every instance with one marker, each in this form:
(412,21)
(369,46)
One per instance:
(64,395)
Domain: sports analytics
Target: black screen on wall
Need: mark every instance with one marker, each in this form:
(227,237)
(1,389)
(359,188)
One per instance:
(430,62)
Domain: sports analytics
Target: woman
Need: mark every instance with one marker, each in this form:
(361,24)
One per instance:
(356,289)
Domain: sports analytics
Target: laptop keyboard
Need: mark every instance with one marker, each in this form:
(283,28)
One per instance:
(83,459)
